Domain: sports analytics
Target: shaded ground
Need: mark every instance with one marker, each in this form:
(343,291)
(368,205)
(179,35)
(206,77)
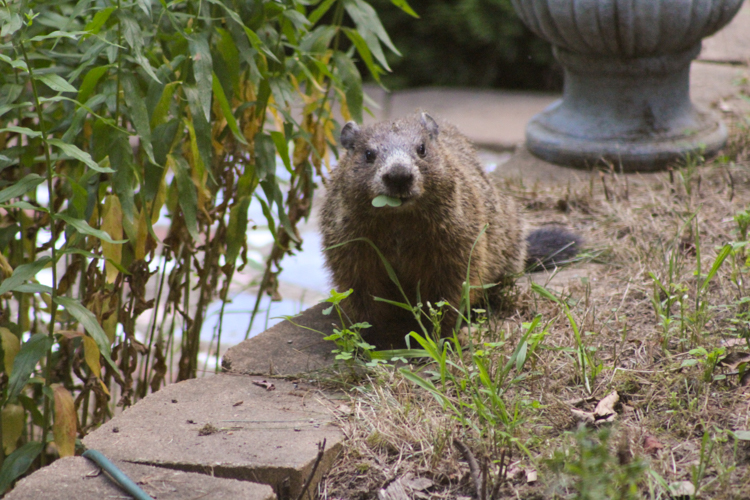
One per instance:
(656,325)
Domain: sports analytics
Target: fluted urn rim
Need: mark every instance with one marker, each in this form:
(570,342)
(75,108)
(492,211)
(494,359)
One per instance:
(626,28)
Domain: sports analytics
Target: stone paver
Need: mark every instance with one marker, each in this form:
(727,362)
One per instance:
(285,349)
(226,426)
(79,478)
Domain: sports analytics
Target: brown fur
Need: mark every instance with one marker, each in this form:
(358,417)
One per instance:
(427,240)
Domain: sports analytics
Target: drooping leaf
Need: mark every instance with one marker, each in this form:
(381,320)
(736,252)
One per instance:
(89,322)
(12,25)
(364,52)
(188,196)
(101,17)
(17,463)
(22,273)
(13,422)
(236,229)
(21,130)
(160,112)
(25,361)
(89,82)
(65,425)
(226,110)
(138,114)
(21,187)
(283,148)
(91,354)
(404,5)
(112,225)
(56,82)
(202,71)
(320,11)
(265,155)
(11,346)
(83,227)
(75,152)
(352,81)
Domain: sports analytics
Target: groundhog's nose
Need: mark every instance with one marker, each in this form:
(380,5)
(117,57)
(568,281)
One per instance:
(398,179)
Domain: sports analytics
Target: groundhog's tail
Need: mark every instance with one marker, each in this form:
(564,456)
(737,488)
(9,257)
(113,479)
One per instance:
(550,246)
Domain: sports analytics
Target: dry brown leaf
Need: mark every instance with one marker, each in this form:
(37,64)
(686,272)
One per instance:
(531,476)
(733,342)
(651,445)
(682,489)
(584,416)
(734,359)
(605,409)
(416,483)
(66,421)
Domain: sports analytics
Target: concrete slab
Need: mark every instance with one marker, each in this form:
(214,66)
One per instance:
(79,478)
(731,44)
(226,426)
(286,349)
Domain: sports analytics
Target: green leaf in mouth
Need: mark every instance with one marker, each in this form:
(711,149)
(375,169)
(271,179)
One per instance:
(383,200)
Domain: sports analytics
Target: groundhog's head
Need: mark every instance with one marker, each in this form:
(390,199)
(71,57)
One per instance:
(391,163)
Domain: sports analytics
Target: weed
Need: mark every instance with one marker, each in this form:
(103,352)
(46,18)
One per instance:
(593,471)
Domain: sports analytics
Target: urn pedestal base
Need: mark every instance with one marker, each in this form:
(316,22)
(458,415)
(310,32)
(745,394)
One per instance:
(633,113)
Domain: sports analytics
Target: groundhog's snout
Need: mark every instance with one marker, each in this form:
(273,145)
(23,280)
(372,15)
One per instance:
(398,180)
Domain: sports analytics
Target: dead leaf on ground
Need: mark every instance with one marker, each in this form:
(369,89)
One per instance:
(416,483)
(605,410)
(682,489)
(584,416)
(265,384)
(733,342)
(745,380)
(651,445)
(531,476)
(734,359)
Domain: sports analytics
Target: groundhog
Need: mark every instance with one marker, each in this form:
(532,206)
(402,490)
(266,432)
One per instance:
(418,192)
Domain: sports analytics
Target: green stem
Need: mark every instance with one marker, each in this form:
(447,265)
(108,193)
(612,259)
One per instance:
(53,240)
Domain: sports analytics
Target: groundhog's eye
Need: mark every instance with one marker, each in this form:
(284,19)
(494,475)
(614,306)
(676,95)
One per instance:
(421,150)
(370,155)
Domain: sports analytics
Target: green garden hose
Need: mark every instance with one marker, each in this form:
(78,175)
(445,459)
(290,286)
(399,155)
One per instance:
(117,475)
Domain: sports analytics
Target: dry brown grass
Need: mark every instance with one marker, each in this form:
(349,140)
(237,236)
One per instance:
(634,226)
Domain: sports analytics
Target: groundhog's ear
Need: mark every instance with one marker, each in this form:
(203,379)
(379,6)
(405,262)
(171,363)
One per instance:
(349,135)
(430,124)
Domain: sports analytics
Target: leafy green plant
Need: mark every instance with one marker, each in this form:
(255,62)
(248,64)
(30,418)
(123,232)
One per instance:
(134,136)
(707,359)
(348,338)
(594,471)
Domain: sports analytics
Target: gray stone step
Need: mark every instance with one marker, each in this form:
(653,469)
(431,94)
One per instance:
(226,426)
(79,478)
(286,349)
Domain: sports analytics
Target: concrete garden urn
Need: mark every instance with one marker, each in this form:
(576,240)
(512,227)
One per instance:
(626,97)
